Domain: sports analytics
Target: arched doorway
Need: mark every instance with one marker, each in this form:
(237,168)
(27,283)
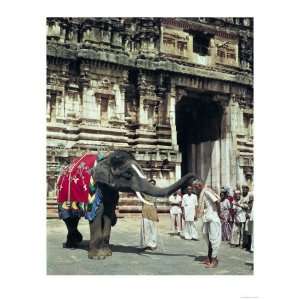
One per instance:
(198,124)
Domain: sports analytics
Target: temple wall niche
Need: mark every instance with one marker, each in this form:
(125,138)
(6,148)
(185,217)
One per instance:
(227,50)
(176,43)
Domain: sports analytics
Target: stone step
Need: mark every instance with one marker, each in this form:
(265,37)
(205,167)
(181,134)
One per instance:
(126,206)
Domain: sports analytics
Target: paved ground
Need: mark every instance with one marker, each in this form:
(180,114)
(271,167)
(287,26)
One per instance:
(174,255)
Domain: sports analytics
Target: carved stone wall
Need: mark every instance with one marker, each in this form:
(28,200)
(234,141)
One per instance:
(114,83)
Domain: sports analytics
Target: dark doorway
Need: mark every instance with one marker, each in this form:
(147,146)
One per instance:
(198,121)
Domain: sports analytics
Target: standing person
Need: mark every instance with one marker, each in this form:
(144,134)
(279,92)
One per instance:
(231,212)
(148,233)
(189,205)
(244,203)
(250,224)
(239,221)
(175,212)
(211,212)
(225,212)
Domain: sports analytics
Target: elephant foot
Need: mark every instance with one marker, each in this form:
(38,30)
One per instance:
(98,253)
(107,251)
(69,245)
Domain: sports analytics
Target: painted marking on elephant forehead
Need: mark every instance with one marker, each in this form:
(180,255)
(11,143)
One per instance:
(138,171)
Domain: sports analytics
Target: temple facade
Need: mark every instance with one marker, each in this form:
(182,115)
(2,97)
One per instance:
(176,92)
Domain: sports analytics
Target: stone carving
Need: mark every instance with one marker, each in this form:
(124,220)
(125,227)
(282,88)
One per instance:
(122,81)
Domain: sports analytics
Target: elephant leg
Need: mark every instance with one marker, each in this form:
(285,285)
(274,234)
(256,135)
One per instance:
(77,235)
(72,236)
(106,235)
(96,238)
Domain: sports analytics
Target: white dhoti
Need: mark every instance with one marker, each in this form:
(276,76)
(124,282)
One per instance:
(176,222)
(148,233)
(175,214)
(190,231)
(189,203)
(212,233)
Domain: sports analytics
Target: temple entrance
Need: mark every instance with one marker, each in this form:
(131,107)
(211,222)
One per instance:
(198,124)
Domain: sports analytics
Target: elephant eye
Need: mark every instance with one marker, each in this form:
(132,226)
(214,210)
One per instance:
(127,174)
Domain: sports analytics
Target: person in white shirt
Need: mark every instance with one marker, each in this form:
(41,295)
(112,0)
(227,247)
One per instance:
(211,214)
(239,206)
(250,222)
(245,204)
(252,235)
(175,212)
(189,206)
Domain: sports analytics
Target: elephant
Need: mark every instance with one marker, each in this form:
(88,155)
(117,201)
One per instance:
(118,172)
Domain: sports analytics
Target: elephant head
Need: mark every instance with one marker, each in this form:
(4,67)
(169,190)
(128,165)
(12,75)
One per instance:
(121,172)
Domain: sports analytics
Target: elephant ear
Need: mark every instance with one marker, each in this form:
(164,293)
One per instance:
(101,172)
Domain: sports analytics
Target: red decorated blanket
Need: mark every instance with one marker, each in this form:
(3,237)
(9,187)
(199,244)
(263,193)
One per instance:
(73,182)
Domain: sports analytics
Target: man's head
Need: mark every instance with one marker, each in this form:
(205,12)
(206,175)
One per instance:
(189,190)
(237,195)
(198,185)
(222,195)
(178,192)
(245,190)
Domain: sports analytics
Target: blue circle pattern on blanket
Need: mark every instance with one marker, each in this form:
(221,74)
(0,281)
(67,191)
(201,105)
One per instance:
(90,213)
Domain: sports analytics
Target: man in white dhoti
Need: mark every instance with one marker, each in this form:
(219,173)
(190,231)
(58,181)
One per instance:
(148,233)
(250,222)
(175,212)
(244,204)
(210,211)
(189,206)
(240,207)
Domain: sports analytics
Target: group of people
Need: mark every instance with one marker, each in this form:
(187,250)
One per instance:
(237,226)
(225,217)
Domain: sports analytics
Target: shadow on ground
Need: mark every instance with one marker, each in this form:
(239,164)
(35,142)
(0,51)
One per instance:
(84,245)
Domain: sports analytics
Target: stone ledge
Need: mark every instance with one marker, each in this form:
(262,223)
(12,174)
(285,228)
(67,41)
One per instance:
(199,70)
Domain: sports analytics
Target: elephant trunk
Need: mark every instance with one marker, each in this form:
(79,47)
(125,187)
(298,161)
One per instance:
(154,191)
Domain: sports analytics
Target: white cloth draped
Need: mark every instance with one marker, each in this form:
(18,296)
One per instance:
(148,234)
(190,231)
(211,229)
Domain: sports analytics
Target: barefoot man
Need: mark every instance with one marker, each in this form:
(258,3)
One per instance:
(209,203)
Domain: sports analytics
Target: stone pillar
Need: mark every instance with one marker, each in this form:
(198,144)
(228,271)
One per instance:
(60,107)
(111,108)
(142,114)
(84,113)
(189,155)
(178,166)
(215,166)
(120,102)
(233,111)
(206,162)
(172,117)
(199,160)
(225,147)
(48,106)
(225,161)
(192,157)
(90,109)
(98,105)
